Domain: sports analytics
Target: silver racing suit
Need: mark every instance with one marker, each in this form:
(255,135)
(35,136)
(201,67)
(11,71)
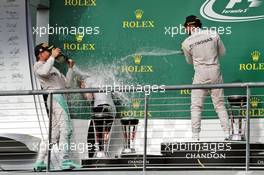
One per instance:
(203,49)
(51,78)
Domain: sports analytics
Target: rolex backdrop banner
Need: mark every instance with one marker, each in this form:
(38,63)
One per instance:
(131,42)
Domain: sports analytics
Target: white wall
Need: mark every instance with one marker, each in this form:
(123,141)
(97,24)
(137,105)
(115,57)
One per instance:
(42,20)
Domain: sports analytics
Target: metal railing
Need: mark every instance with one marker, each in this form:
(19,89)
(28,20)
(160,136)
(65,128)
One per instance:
(164,109)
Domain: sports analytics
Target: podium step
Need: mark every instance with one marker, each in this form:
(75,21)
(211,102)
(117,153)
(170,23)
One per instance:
(189,154)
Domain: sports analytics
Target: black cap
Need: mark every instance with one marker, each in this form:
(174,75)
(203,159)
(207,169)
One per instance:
(192,20)
(41,48)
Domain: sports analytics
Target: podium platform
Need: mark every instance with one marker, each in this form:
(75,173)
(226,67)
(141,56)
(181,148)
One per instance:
(190,154)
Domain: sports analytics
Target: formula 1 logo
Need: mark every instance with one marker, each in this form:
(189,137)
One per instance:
(232,10)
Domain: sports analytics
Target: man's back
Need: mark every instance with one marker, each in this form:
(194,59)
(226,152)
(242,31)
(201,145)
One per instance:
(203,48)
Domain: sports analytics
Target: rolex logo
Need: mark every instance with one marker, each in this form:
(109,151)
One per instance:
(254,102)
(138,23)
(137,68)
(139,14)
(256,65)
(79,37)
(255,56)
(135,103)
(137,59)
(80,3)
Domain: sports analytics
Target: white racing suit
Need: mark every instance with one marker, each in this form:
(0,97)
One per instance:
(202,49)
(51,78)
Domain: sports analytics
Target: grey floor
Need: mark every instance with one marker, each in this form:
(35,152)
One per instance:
(139,173)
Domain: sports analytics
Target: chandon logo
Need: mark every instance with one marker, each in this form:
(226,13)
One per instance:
(230,13)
